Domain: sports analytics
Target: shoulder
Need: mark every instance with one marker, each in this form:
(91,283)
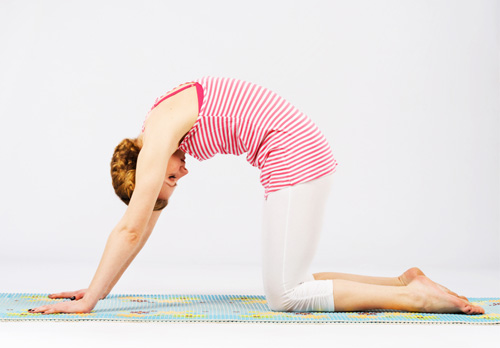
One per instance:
(174,116)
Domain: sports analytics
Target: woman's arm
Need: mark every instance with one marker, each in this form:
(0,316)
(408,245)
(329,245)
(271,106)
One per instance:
(78,294)
(167,123)
(152,222)
(120,246)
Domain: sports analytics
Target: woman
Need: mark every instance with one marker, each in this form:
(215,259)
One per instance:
(221,115)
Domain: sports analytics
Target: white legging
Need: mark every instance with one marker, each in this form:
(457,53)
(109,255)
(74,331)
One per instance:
(292,223)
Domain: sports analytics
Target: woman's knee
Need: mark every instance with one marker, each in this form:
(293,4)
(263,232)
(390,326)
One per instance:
(310,296)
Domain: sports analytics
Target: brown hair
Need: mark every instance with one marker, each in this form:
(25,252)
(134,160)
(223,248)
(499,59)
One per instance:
(123,165)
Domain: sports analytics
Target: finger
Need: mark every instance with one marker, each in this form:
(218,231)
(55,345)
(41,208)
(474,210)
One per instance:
(43,308)
(38,309)
(65,294)
(51,311)
(47,309)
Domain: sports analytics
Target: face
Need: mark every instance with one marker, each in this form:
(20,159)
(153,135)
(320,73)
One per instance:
(176,169)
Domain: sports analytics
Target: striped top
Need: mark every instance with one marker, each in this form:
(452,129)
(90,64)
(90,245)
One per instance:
(237,117)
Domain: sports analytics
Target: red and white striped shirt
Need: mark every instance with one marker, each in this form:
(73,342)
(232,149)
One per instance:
(237,117)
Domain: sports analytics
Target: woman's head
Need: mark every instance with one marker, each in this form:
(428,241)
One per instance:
(123,166)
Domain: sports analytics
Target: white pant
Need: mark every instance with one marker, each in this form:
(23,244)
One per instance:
(292,224)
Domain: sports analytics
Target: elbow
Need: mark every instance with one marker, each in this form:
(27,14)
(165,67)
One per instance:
(132,237)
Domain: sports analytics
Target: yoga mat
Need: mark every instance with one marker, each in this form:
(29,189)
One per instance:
(224,308)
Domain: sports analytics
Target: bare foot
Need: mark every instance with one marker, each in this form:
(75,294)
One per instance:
(431,298)
(408,276)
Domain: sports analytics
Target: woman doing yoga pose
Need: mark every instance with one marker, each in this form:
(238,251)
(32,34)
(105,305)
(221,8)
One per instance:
(229,116)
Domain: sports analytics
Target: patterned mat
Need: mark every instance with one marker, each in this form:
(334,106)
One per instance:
(224,308)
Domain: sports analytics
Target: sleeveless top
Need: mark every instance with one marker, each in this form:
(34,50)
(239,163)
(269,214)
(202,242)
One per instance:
(237,117)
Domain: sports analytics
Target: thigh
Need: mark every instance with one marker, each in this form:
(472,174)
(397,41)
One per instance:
(292,224)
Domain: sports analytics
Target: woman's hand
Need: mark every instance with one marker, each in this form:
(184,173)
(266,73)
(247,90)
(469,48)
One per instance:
(73,295)
(77,306)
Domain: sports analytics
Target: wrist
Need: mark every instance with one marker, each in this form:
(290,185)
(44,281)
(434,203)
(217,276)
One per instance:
(106,293)
(90,300)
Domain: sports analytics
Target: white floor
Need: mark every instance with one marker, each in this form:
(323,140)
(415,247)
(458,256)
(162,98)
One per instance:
(227,280)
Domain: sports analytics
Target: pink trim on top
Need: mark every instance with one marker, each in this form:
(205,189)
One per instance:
(199,91)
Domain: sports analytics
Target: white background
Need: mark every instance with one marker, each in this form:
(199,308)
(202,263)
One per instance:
(406,92)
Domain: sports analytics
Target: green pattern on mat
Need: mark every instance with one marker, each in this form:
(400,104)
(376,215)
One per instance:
(224,308)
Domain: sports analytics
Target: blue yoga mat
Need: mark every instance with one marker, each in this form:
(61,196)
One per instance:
(224,308)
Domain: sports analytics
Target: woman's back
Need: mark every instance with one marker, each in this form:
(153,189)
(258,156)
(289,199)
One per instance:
(239,117)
